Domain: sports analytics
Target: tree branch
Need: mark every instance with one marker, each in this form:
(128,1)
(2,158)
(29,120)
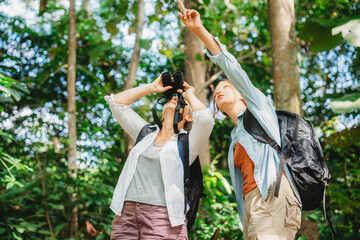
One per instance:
(44,194)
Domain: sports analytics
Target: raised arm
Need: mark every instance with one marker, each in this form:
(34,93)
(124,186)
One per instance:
(203,122)
(129,96)
(255,100)
(219,54)
(191,19)
(119,103)
(189,96)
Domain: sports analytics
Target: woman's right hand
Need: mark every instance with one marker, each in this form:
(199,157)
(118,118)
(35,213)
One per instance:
(189,17)
(158,85)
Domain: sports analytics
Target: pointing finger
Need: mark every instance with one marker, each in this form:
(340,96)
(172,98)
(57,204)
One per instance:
(181,5)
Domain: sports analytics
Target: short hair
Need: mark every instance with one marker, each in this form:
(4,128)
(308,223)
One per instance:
(188,125)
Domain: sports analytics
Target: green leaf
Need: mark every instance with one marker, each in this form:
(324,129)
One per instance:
(6,83)
(146,43)
(224,182)
(54,51)
(319,36)
(10,185)
(168,53)
(100,236)
(111,27)
(21,88)
(59,228)
(15,94)
(350,31)
(56,206)
(345,103)
(20,229)
(29,226)
(6,135)
(16,236)
(46,232)
(8,79)
(5,90)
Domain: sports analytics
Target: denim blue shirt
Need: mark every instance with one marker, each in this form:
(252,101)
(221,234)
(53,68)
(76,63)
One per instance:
(265,158)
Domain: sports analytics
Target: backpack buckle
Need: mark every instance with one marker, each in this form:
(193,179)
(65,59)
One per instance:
(272,143)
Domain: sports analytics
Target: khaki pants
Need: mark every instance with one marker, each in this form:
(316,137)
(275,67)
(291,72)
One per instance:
(273,218)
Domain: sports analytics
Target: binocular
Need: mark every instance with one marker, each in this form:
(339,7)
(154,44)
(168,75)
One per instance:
(176,82)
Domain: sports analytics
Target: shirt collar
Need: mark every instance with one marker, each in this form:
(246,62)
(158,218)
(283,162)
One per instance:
(241,112)
(233,132)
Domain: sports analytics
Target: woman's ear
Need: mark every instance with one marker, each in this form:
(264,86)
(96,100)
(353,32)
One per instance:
(241,98)
(188,118)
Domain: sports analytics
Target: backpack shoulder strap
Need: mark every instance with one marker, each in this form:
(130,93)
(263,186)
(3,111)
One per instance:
(183,146)
(145,131)
(253,127)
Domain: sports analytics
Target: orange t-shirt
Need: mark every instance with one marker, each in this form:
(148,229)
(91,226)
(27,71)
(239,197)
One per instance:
(246,166)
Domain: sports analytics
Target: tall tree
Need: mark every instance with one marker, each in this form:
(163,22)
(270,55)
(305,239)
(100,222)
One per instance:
(71,108)
(285,70)
(195,73)
(85,6)
(134,62)
(43,6)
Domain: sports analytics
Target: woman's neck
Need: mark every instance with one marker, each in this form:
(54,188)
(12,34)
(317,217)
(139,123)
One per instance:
(166,132)
(234,110)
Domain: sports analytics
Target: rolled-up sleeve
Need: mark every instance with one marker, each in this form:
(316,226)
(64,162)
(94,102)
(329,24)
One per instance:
(128,119)
(203,123)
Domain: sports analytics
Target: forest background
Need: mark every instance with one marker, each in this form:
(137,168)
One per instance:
(61,151)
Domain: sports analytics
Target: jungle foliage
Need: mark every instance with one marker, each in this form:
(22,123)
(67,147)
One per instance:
(35,183)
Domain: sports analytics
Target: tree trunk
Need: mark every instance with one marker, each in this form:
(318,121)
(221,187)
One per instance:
(195,74)
(134,63)
(285,70)
(86,7)
(43,7)
(71,108)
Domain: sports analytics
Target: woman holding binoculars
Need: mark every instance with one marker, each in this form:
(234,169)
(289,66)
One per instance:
(148,200)
(252,164)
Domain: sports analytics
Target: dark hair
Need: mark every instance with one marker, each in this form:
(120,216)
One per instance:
(188,125)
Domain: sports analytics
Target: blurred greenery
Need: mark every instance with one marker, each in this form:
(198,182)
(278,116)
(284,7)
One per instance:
(33,95)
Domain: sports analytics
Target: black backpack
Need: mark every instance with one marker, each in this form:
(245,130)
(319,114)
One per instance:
(193,177)
(301,150)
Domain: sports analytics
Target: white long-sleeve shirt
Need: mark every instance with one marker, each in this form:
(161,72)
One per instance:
(171,165)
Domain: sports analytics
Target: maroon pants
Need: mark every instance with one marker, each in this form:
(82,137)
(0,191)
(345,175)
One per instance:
(145,222)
